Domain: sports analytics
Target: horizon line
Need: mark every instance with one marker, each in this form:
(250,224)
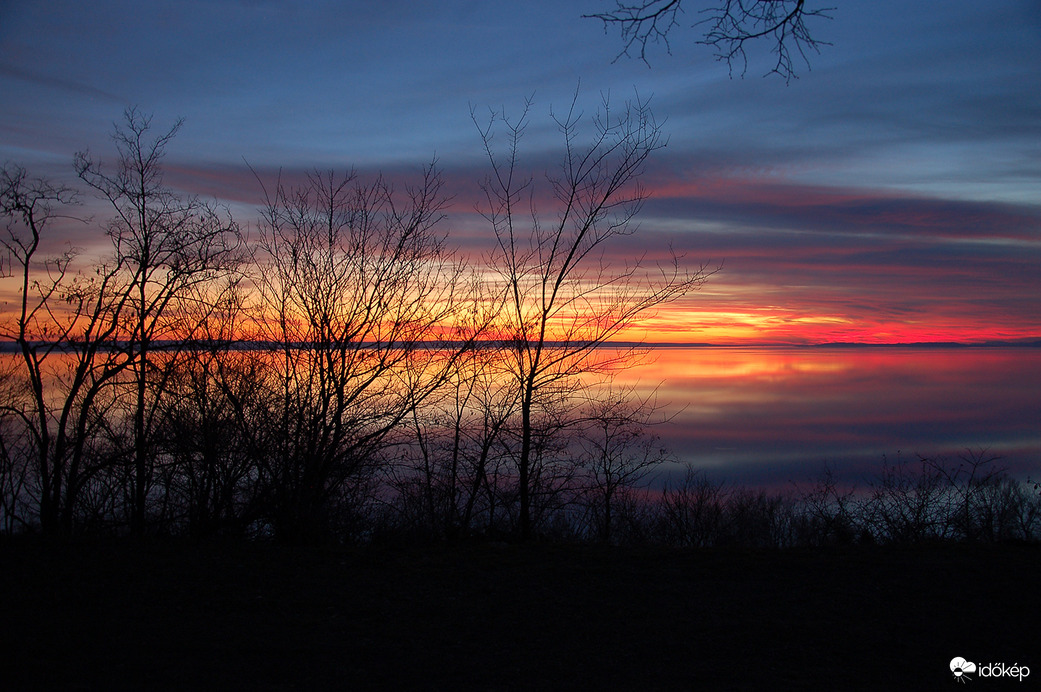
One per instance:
(8,345)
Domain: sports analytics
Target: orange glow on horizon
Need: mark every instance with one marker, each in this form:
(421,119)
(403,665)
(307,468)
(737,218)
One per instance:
(747,326)
(728,314)
(771,325)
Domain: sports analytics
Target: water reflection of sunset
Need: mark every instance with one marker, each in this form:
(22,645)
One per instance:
(722,363)
(770,415)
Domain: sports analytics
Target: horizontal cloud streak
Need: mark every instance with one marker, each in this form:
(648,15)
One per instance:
(803,263)
(771,205)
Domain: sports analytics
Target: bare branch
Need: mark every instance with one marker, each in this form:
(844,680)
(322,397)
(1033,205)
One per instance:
(729,27)
(564,299)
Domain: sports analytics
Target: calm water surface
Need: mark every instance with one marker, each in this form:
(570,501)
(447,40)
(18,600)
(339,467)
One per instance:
(768,416)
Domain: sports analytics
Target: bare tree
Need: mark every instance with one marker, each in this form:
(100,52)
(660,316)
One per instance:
(910,503)
(211,475)
(14,471)
(166,246)
(64,326)
(693,511)
(353,283)
(563,297)
(830,511)
(729,27)
(616,451)
(446,479)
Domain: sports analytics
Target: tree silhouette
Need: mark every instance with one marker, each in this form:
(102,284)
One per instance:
(563,298)
(615,451)
(210,480)
(64,327)
(729,27)
(446,478)
(352,280)
(168,247)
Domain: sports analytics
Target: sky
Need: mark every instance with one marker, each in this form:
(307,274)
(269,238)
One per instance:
(891,193)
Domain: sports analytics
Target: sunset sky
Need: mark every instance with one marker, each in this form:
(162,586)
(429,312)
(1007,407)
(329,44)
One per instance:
(891,193)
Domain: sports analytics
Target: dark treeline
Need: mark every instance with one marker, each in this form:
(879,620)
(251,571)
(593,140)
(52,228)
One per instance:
(134,399)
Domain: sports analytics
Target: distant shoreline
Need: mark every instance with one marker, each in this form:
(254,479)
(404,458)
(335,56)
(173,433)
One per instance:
(1013,343)
(7,346)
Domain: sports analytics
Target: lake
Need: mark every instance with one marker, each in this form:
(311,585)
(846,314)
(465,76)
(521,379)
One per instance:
(766,417)
(769,416)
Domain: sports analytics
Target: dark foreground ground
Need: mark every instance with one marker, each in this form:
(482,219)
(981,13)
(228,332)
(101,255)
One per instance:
(512,617)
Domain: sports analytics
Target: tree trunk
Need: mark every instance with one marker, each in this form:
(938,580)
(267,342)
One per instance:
(524,468)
